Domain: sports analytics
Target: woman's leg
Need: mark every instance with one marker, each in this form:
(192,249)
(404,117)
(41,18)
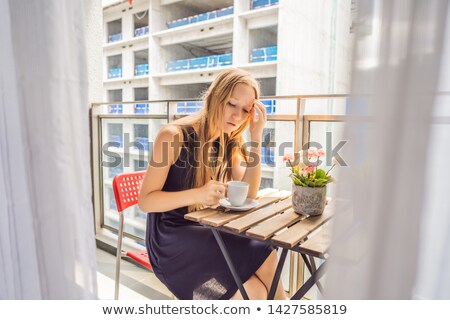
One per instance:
(255,289)
(266,272)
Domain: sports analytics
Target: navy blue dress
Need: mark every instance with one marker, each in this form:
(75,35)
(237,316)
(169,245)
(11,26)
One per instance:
(185,255)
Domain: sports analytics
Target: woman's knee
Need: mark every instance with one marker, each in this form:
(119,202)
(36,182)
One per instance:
(270,264)
(255,289)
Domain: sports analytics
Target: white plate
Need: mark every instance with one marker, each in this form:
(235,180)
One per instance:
(248,204)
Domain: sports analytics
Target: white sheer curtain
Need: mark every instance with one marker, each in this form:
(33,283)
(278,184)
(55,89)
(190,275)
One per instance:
(47,243)
(434,277)
(391,231)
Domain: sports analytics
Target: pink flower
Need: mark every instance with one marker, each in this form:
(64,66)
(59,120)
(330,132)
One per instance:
(320,153)
(312,152)
(288,157)
(309,169)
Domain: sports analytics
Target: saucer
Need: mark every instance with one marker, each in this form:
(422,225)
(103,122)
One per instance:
(248,204)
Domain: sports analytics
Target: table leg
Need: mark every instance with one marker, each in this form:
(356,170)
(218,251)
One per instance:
(230,263)
(310,264)
(313,266)
(311,281)
(276,277)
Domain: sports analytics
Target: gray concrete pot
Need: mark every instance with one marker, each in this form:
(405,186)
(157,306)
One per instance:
(309,201)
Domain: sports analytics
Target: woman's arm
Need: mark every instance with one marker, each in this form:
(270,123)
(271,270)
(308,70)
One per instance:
(249,172)
(151,198)
(160,201)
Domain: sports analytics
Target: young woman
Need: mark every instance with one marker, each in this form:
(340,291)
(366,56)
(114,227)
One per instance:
(192,160)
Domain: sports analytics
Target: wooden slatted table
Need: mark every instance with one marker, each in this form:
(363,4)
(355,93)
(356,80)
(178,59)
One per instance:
(275,222)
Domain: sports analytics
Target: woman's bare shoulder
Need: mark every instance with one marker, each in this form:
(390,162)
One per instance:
(168,143)
(170,132)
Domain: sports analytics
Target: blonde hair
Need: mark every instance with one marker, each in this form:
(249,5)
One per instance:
(208,121)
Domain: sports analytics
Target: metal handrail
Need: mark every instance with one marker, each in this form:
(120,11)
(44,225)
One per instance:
(290,97)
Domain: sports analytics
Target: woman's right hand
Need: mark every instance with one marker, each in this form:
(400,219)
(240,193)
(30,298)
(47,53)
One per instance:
(211,193)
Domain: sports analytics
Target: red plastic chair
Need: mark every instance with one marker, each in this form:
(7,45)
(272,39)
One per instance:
(126,188)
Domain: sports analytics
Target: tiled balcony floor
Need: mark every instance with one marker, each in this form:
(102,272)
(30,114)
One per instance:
(136,283)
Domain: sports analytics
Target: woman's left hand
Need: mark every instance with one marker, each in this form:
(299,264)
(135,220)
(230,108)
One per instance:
(257,122)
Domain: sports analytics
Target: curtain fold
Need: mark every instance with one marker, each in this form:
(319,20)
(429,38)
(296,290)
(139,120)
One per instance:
(47,226)
(378,228)
(433,280)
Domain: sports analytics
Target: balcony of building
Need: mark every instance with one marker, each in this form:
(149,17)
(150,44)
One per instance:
(122,143)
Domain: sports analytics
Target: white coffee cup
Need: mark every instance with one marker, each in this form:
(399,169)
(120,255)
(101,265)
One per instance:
(237,192)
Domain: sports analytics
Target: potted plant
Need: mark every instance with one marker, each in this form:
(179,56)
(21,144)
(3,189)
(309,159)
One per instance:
(309,188)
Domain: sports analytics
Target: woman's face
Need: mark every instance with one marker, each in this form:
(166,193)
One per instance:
(238,107)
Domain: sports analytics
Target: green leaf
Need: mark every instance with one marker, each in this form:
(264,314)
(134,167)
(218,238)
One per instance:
(320,174)
(311,184)
(303,179)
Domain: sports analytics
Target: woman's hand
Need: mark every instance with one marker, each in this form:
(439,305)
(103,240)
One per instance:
(258,122)
(211,193)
